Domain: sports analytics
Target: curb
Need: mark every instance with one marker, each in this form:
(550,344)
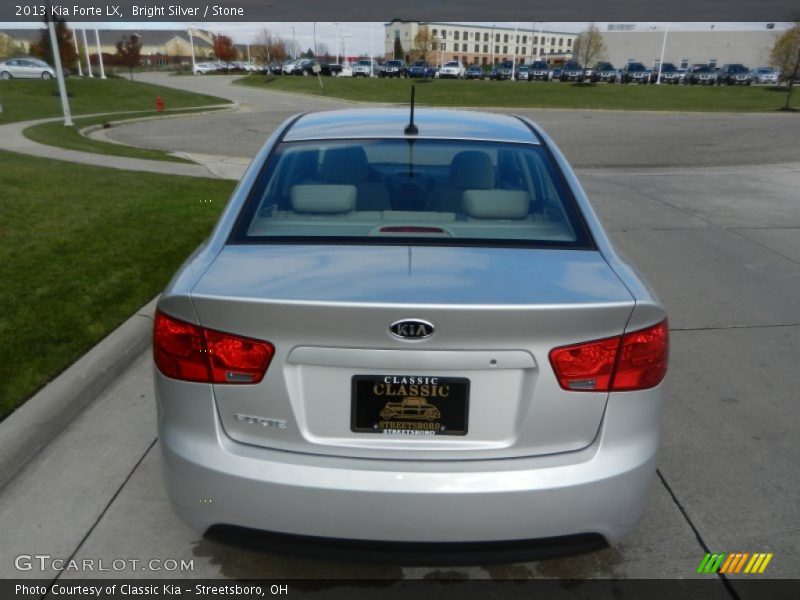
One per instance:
(30,428)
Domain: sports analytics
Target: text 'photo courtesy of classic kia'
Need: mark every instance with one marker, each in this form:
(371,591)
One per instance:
(410,332)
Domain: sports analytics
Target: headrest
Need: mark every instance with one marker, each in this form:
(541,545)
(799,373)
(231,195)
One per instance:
(344,165)
(496,204)
(472,170)
(323,199)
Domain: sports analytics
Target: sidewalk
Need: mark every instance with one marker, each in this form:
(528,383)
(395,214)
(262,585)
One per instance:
(12,139)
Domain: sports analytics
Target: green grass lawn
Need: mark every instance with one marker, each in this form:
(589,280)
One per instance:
(55,134)
(535,94)
(81,249)
(25,99)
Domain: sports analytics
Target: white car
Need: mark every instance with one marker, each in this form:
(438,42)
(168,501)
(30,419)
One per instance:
(288,67)
(452,69)
(765,75)
(206,67)
(363,68)
(26,68)
(345,72)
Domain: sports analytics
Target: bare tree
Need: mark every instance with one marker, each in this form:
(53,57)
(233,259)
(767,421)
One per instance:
(8,48)
(424,43)
(270,47)
(589,46)
(785,56)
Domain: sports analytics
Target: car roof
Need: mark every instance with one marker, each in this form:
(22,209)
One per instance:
(385,123)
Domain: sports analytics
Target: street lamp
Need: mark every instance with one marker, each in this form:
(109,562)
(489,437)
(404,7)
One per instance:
(337,42)
(99,54)
(191,43)
(663,49)
(492,39)
(294,46)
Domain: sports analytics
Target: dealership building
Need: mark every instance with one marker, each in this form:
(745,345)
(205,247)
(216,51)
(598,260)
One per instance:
(685,48)
(481,44)
(478,44)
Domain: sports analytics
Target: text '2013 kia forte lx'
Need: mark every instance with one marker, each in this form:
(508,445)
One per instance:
(410,332)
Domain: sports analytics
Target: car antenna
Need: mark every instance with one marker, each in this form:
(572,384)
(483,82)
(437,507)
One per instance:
(411,129)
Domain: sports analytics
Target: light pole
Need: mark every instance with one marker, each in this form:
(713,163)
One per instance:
(663,49)
(337,42)
(99,54)
(344,48)
(294,46)
(514,59)
(314,38)
(62,88)
(492,38)
(86,49)
(78,53)
(191,43)
(371,52)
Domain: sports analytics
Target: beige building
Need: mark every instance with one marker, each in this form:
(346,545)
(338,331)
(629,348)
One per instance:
(478,44)
(685,48)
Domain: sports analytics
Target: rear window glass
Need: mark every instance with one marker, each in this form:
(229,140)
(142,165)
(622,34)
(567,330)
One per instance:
(432,191)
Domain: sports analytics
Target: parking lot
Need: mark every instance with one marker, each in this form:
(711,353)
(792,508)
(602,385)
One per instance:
(707,208)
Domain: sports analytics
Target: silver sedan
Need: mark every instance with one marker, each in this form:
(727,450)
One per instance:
(26,68)
(410,333)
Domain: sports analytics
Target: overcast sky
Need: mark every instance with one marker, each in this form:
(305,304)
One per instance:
(356,36)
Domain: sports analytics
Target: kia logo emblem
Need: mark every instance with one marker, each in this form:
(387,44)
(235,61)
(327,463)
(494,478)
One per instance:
(411,329)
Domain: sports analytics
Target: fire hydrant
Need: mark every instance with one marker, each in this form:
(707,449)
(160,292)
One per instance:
(159,104)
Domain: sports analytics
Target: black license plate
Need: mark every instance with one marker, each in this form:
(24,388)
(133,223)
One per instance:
(409,405)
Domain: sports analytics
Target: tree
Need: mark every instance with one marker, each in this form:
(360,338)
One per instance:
(9,49)
(129,51)
(270,47)
(424,43)
(398,49)
(785,55)
(224,50)
(309,53)
(66,46)
(589,46)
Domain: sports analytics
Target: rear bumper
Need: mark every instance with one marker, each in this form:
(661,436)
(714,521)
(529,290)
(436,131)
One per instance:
(602,489)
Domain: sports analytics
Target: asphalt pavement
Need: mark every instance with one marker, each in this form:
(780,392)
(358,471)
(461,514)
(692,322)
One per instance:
(721,246)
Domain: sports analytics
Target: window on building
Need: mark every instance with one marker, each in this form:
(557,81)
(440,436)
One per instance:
(569,42)
(552,51)
(485,37)
(505,38)
(486,49)
(466,35)
(455,35)
(444,34)
(524,39)
(464,48)
(477,48)
(560,41)
(522,51)
(434,33)
(397,34)
(536,39)
(496,37)
(484,61)
(552,42)
(505,49)
(444,46)
(497,49)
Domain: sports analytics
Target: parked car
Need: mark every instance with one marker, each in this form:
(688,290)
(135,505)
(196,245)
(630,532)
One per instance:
(393,68)
(275,68)
(634,72)
(734,74)
(26,68)
(539,71)
(682,75)
(669,74)
(701,75)
(363,68)
(555,74)
(421,70)
(452,70)
(572,71)
(474,72)
(306,66)
(765,75)
(522,73)
(342,71)
(503,70)
(289,66)
(288,392)
(603,71)
(203,68)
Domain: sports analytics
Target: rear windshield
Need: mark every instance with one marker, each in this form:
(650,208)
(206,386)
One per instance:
(431,191)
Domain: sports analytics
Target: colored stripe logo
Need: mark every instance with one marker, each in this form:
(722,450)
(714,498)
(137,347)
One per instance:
(735,562)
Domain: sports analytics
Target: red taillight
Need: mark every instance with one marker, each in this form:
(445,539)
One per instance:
(634,361)
(192,353)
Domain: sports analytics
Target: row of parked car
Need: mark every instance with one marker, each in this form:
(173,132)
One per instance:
(633,72)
